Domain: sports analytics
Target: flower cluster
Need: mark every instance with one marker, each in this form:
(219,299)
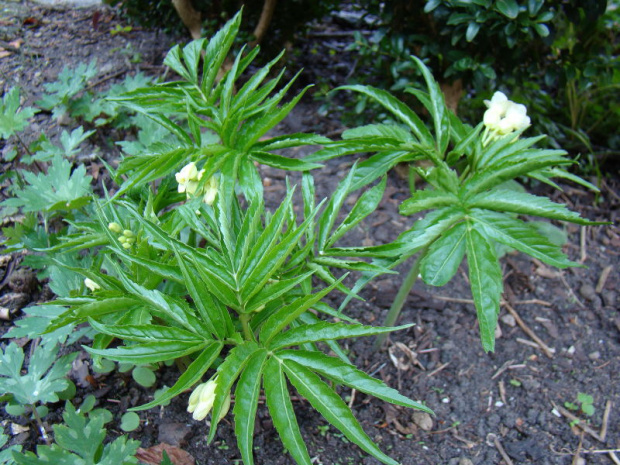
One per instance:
(127,238)
(189,182)
(201,401)
(504,116)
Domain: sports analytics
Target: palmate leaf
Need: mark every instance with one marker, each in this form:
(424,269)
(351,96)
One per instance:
(12,118)
(61,188)
(331,407)
(281,411)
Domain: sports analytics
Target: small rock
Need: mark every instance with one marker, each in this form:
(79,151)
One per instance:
(23,281)
(594,355)
(508,320)
(465,461)
(423,420)
(587,291)
(174,433)
(609,298)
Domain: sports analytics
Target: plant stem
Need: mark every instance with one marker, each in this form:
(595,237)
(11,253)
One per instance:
(245,324)
(401,297)
(40,424)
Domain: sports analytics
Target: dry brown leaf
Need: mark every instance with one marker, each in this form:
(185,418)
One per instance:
(154,455)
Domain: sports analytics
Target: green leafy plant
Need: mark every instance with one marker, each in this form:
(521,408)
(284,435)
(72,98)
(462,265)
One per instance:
(193,267)
(13,118)
(471,207)
(585,404)
(80,441)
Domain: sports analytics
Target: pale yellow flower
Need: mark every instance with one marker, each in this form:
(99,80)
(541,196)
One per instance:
(92,285)
(201,401)
(504,116)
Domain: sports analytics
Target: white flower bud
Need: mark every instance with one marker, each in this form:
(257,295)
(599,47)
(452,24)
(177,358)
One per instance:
(115,227)
(211,190)
(92,285)
(201,401)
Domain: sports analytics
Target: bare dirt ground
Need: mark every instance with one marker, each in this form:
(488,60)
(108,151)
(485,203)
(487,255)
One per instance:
(499,408)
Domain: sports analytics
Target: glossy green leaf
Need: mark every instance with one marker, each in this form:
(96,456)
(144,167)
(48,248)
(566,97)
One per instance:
(365,205)
(227,374)
(509,8)
(216,51)
(284,315)
(521,236)
(283,163)
(326,331)
(332,407)
(246,403)
(427,199)
(523,203)
(281,411)
(149,352)
(345,373)
(147,333)
(485,277)
(274,291)
(189,377)
(397,108)
(443,257)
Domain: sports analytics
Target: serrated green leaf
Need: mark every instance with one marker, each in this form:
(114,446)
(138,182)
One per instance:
(442,260)
(13,119)
(227,374)
(426,200)
(191,376)
(522,203)
(246,404)
(345,373)
(485,277)
(365,205)
(283,163)
(325,331)
(147,333)
(284,315)
(149,352)
(398,109)
(281,411)
(519,235)
(332,407)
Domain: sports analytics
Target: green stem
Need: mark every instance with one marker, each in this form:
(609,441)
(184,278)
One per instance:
(40,424)
(401,297)
(245,324)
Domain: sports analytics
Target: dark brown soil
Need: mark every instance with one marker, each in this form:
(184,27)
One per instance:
(490,408)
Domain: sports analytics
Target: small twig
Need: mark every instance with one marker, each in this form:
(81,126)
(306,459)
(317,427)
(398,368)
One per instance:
(494,439)
(40,425)
(605,420)
(577,454)
(570,290)
(503,368)
(582,243)
(352,400)
(602,280)
(614,457)
(437,370)
(546,349)
(453,299)
(578,422)
(107,78)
